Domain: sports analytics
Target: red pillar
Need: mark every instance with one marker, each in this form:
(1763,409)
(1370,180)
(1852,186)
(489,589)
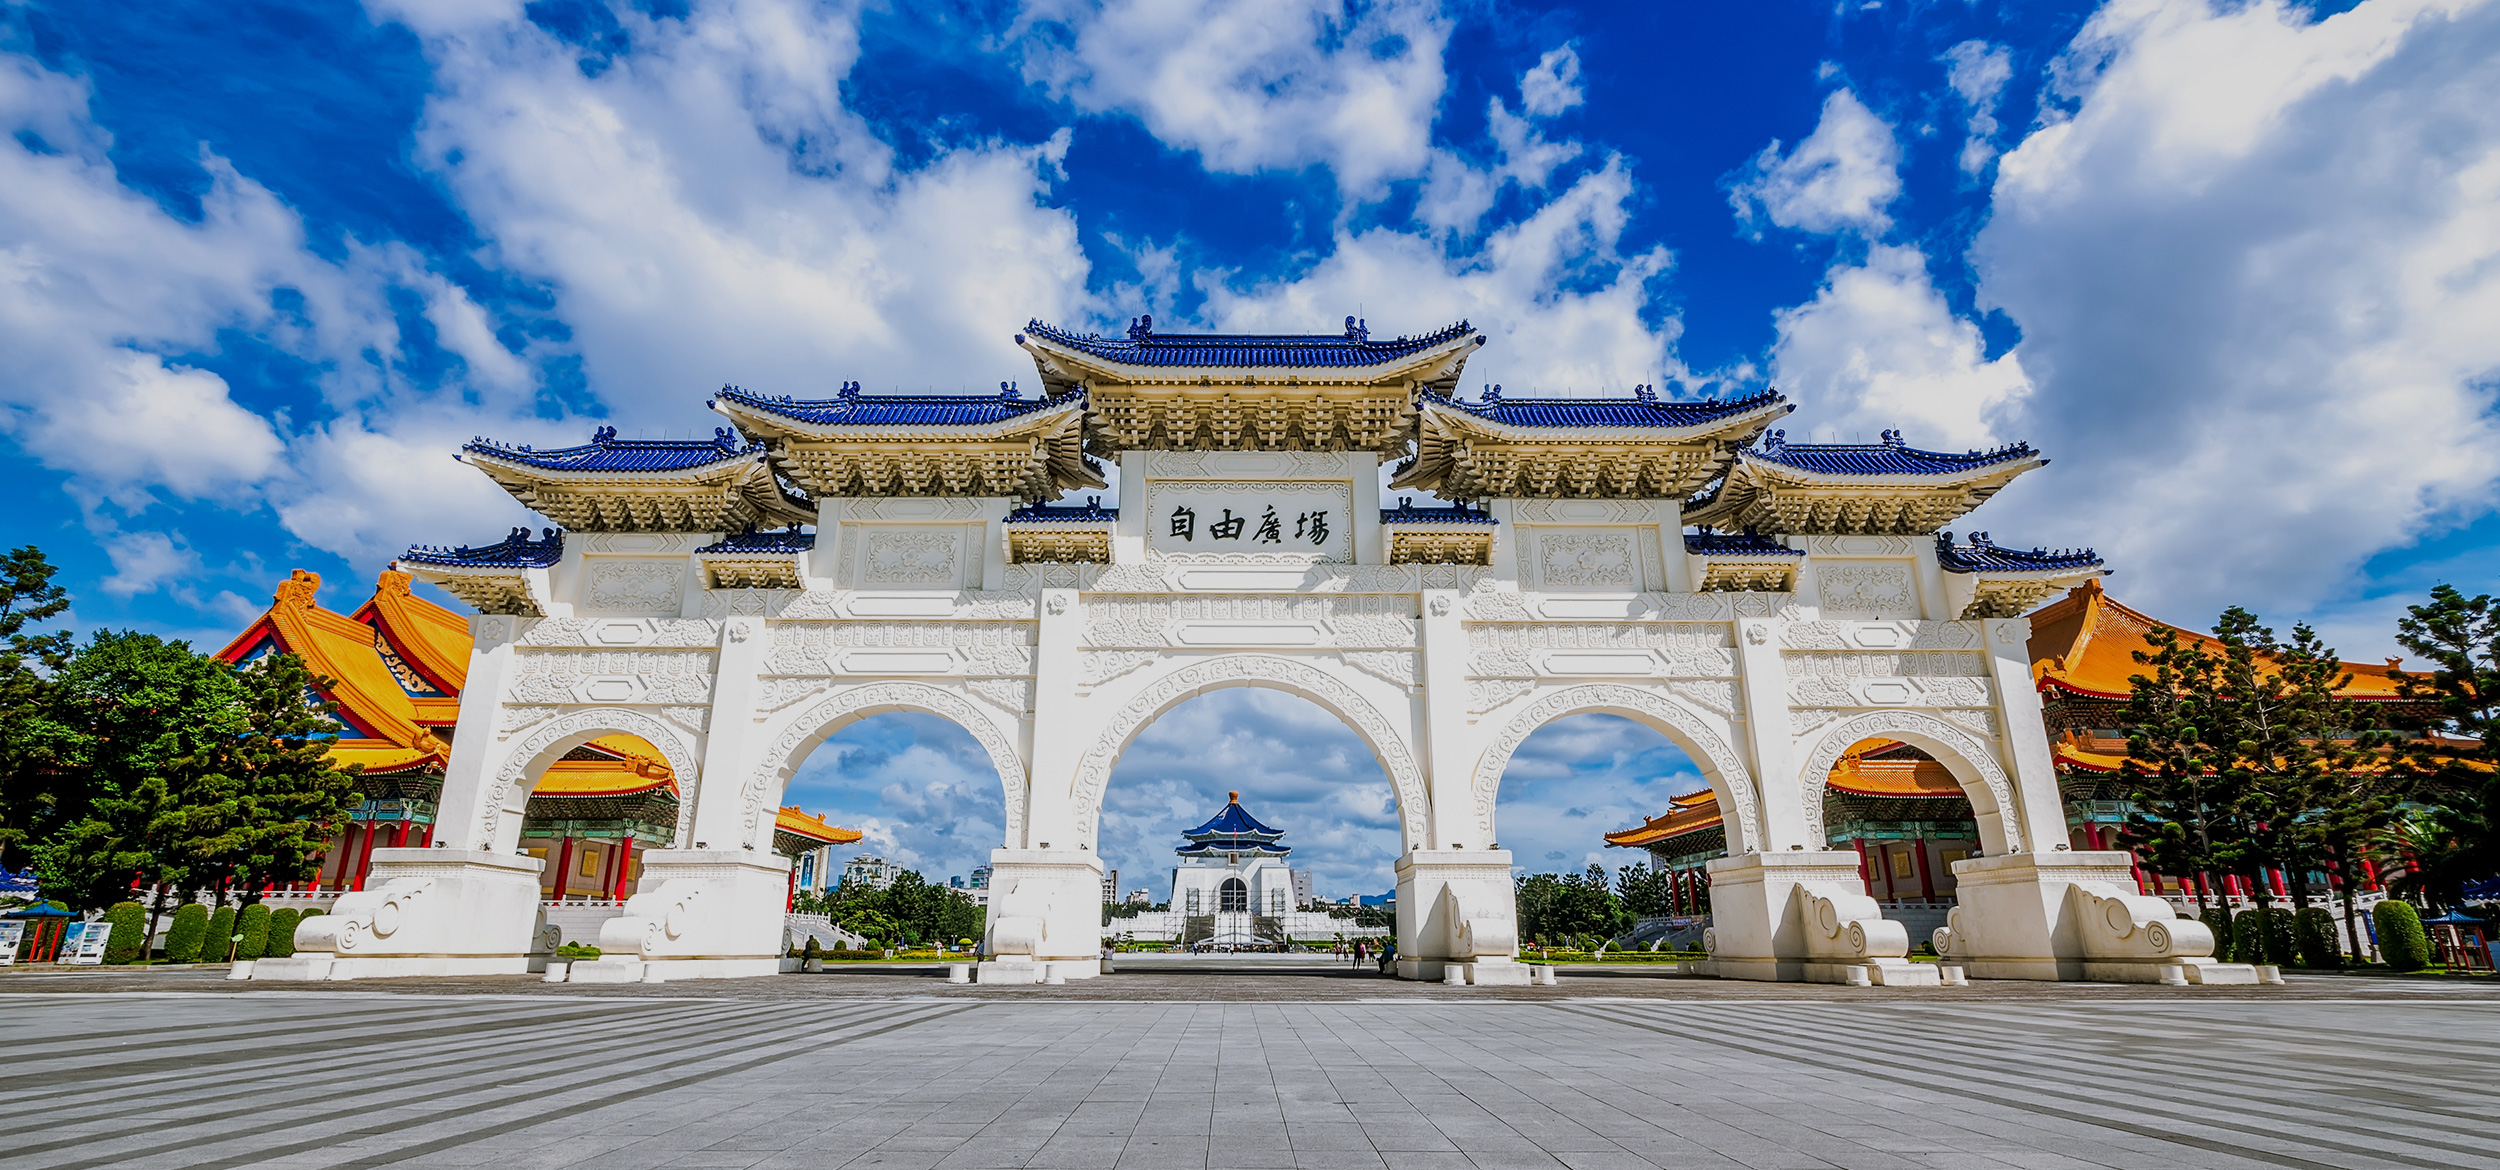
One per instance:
(1926,876)
(790,902)
(2369,874)
(624,866)
(351,867)
(1865,876)
(425,836)
(2280,890)
(564,870)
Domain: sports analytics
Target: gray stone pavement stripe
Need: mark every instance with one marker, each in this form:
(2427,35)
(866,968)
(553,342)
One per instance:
(339,1104)
(2316,1036)
(2287,1063)
(82,1045)
(114,1101)
(2278,1067)
(470,1137)
(192,1052)
(1692,1030)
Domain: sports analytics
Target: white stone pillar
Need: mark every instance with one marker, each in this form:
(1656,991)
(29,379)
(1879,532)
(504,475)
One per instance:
(1045,907)
(1449,767)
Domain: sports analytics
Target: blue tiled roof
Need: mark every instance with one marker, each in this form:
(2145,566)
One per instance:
(606,452)
(1230,845)
(1890,457)
(855,409)
(1234,821)
(1144,347)
(1643,409)
(778,540)
(1408,513)
(1982,555)
(1737,544)
(1091,511)
(516,550)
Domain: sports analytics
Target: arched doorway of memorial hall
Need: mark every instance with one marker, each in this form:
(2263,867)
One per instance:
(1248,829)
(1566,786)
(1905,815)
(928,800)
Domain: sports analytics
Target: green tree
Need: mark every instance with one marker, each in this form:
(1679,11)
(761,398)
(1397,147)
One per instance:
(264,802)
(41,784)
(1555,906)
(2455,766)
(1646,892)
(2184,817)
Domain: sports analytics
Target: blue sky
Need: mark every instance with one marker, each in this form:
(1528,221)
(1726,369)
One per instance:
(264,264)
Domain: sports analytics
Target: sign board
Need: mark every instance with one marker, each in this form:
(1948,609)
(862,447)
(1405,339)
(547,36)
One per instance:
(1257,521)
(84,944)
(11,934)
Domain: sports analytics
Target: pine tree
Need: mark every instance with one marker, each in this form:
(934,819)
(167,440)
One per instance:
(2184,804)
(2456,767)
(41,785)
(2342,784)
(265,801)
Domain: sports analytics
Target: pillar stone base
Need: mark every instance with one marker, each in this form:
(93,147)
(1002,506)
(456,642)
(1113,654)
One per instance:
(426,912)
(2064,915)
(1454,906)
(703,914)
(1759,920)
(1045,914)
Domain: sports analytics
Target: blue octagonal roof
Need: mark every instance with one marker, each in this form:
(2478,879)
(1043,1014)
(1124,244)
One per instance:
(1233,821)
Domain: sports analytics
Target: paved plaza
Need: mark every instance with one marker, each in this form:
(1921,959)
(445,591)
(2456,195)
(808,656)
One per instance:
(833,1071)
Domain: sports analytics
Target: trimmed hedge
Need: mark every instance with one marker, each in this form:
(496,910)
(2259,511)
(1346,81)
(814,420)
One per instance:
(2248,943)
(129,942)
(219,945)
(253,925)
(190,929)
(2313,930)
(2401,939)
(2281,931)
(282,933)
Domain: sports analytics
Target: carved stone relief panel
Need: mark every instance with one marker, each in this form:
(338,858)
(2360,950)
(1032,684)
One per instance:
(1249,465)
(1351,620)
(1861,546)
(817,648)
(619,585)
(954,508)
(1903,635)
(1867,589)
(612,677)
(1586,558)
(1583,512)
(1864,664)
(641,542)
(1694,649)
(911,557)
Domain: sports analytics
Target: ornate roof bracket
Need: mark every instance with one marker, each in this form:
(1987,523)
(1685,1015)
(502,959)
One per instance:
(1856,489)
(509,576)
(643,485)
(1640,447)
(1984,580)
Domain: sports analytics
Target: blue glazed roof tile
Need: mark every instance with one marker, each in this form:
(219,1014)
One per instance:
(1407,512)
(1089,512)
(855,409)
(1643,409)
(1890,457)
(778,540)
(1737,544)
(1144,347)
(514,551)
(1982,555)
(606,452)
(1229,845)
(1233,821)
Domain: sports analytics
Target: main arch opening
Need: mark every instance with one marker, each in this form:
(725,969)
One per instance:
(1248,821)
(1907,817)
(1594,810)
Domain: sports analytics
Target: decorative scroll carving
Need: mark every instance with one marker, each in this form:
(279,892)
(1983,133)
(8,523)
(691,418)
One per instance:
(512,719)
(1096,667)
(1822,692)
(1872,664)
(1979,723)
(811,647)
(911,508)
(782,759)
(773,694)
(1694,649)
(1912,727)
(722,603)
(1805,721)
(1498,606)
(1718,695)
(1689,729)
(1484,694)
(1310,682)
(1583,512)
(1587,559)
(694,719)
(642,542)
(606,632)
(910,556)
(1398,666)
(637,586)
(1894,635)
(1012,695)
(509,793)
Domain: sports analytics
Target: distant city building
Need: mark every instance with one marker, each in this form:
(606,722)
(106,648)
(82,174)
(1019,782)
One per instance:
(1140,897)
(1110,886)
(873,872)
(1387,899)
(980,877)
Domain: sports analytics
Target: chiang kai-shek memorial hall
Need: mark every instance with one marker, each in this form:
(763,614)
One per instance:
(1764,604)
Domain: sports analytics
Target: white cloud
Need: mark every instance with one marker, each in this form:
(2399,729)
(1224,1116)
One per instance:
(2256,271)
(144,562)
(1841,177)
(1553,85)
(1978,72)
(1253,85)
(1879,348)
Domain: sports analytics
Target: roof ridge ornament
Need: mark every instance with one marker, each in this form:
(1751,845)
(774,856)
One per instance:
(602,436)
(1647,394)
(1775,441)
(1893,439)
(1141,328)
(1358,330)
(848,390)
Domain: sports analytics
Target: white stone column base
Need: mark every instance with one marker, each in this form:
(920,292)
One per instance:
(2065,915)
(1756,929)
(701,914)
(425,912)
(1498,972)
(1045,908)
(1454,905)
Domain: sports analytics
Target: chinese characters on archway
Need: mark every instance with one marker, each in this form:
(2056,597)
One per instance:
(1308,527)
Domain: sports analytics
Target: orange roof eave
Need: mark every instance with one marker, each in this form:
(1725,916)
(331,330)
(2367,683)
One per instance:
(2085,645)
(812,827)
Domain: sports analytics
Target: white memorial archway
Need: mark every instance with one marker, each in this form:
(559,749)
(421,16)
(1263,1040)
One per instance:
(1762,604)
